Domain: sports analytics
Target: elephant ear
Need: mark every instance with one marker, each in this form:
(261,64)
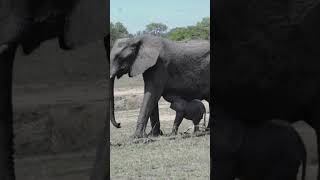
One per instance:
(86,22)
(148,53)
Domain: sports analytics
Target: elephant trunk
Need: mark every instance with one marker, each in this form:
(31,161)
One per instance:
(112,118)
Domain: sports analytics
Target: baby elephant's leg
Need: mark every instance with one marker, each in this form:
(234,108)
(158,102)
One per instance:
(177,122)
(196,124)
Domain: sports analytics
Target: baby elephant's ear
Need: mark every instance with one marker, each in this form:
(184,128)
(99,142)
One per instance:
(148,53)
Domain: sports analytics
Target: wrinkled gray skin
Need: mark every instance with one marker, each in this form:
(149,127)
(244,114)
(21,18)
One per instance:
(28,23)
(271,150)
(266,63)
(170,69)
(192,110)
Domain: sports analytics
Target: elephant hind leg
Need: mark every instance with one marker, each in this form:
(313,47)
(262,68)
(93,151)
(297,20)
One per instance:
(196,125)
(6,114)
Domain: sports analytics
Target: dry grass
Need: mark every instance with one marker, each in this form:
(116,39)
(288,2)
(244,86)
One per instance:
(180,158)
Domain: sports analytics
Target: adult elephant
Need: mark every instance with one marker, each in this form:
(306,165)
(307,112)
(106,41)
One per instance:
(266,64)
(170,69)
(28,23)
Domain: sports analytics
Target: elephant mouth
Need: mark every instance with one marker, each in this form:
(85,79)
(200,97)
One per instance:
(118,75)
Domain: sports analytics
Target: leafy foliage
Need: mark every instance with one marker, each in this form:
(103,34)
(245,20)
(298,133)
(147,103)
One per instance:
(117,30)
(200,31)
(156,29)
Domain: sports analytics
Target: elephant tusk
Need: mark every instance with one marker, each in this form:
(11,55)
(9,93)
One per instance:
(3,48)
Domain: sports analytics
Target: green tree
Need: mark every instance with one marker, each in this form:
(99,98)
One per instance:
(117,30)
(200,31)
(179,34)
(157,29)
(204,28)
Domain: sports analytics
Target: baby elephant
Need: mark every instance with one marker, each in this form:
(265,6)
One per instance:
(272,150)
(193,110)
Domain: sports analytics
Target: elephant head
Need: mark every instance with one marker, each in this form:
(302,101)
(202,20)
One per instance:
(133,56)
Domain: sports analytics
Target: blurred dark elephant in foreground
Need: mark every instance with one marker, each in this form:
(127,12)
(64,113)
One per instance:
(266,63)
(271,150)
(28,23)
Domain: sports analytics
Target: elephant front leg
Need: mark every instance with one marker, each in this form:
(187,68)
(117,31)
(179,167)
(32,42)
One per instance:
(150,99)
(155,122)
(177,122)
(6,115)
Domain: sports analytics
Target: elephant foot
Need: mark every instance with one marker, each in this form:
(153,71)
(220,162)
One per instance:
(199,133)
(138,135)
(196,128)
(155,133)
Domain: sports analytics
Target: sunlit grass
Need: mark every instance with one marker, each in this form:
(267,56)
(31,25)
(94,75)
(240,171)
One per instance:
(181,158)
